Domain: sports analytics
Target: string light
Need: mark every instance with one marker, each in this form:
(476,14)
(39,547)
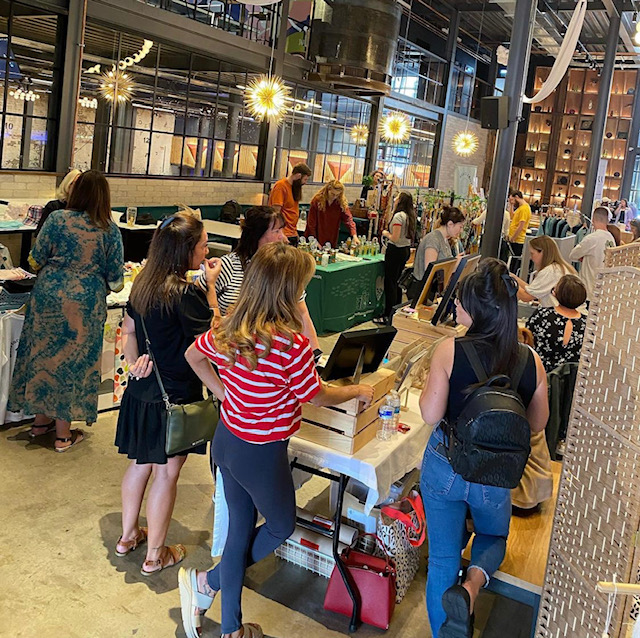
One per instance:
(360,134)
(396,127)
(25,96)
(128,61)
(465,143)
(88,103)
(266,98)
(116,86)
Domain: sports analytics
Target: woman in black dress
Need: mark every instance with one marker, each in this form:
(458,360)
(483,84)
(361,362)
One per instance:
(558,332)
(174,312)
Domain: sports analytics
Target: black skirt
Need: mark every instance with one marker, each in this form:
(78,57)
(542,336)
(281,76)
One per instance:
(142,424)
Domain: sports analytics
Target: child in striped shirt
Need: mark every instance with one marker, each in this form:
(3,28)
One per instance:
(266,371)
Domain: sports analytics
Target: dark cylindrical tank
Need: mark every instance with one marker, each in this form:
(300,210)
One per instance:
(355,43)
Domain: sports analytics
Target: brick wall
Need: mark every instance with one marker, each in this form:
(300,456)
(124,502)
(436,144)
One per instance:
(450,159)
(27,186)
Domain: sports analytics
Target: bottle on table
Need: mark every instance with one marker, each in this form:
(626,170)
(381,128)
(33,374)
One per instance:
(393,401)
(385,423)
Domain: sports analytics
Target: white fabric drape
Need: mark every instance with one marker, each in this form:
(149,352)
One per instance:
(565,55)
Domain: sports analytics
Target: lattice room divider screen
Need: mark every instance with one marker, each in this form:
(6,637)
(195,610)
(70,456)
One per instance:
(626,255)
(596,523)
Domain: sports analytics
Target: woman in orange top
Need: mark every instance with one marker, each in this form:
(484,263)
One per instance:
(328,208)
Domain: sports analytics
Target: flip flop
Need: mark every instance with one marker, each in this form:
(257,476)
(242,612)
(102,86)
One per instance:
(77,436)
(190,600)
(171,555)
(50,427)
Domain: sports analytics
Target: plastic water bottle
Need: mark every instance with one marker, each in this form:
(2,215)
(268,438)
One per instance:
(393,401)
(385,423)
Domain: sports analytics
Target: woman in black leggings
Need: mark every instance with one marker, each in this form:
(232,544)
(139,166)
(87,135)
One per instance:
(401,233)
(266,371)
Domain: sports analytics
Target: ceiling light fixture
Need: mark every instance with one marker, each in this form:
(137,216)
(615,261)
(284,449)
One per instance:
(465,143)
(116,86)
(25,96)
(266,98)
(396,127)
(360,134)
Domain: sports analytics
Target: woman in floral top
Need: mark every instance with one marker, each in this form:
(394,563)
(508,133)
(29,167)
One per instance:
(558,332)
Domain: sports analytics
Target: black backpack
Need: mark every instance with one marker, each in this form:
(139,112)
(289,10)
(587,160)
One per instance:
(230,212)
(490,441)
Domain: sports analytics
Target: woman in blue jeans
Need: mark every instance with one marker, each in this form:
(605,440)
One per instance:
(487,304)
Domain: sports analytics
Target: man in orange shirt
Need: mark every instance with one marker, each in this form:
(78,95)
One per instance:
(285,196)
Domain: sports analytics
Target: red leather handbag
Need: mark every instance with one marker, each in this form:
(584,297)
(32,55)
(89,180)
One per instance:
(375,582)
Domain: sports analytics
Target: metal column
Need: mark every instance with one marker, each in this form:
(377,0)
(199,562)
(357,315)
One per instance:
(632,151)
(524,21)
(373,141)
(268,131)
(600,120)
(71,84)
(452,41)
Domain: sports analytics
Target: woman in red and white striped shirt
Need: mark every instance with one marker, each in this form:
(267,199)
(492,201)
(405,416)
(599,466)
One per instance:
(266,371)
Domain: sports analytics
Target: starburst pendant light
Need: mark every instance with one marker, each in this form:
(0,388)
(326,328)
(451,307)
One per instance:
(360,134)
(116,86)
(396,127)
(266,98)
(465,143)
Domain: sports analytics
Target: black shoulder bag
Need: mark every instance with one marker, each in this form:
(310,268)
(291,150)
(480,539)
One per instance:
(190,424)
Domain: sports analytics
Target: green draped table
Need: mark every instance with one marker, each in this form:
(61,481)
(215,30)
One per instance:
(346,293)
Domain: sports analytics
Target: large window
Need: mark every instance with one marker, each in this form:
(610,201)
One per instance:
(157,110)
(318,130)
(418,74)
(29,82)
(411,162)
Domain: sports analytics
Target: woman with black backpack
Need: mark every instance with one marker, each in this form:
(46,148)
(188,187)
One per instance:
(483,430)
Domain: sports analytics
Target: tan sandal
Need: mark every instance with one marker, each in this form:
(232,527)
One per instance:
(251,630)
(132,545)
(77,436)
(170,555)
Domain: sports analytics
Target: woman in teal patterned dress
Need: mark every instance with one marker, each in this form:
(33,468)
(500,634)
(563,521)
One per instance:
(78,256)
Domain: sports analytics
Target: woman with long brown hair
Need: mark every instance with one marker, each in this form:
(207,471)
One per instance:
(173,312)
(328,208)
(550,268)
(266,371)
(78,257)
(401,234)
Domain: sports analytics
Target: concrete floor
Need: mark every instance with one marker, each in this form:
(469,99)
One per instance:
(60,578)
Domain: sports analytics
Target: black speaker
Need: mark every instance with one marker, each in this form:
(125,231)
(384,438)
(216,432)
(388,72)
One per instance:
(494,112)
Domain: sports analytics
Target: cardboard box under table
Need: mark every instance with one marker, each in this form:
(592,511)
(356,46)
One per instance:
(347,427)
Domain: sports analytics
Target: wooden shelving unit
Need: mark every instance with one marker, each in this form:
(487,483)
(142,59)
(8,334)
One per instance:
(558,141)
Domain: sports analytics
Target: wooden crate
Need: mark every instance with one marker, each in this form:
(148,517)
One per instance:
(346,427)
(411,327)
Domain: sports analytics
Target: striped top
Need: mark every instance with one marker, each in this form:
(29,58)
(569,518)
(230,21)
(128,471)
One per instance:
(229,282)
(264,405)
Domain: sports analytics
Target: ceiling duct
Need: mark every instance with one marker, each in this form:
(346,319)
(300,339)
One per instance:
(354,44)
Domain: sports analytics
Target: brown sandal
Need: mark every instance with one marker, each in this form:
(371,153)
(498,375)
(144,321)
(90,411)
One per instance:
(132,545)
(77,436)
(170,555)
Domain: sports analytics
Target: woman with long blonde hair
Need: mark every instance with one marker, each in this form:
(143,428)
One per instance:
(550,268)
(265,372)
(328,208)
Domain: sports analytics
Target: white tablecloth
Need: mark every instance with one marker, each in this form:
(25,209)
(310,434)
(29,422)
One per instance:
(377,465)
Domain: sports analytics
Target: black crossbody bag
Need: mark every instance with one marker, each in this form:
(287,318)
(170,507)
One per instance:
(190,424)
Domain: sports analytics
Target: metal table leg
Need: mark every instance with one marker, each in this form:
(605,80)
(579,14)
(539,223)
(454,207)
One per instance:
(342,480)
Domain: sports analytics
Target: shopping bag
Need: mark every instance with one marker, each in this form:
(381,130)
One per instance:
(375,584)
(401,528)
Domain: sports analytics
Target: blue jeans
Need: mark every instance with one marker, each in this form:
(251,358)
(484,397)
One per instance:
(447,497)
